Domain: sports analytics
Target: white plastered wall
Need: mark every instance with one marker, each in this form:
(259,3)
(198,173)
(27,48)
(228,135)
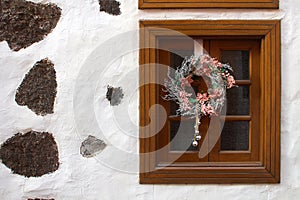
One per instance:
(80,30)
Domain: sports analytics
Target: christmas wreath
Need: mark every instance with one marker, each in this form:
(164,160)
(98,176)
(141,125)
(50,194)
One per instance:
(218,78)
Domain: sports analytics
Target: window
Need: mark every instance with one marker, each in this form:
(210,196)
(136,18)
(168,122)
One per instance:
(248,150)
(143,4)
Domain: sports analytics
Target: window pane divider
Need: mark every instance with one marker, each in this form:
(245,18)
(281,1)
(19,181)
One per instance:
(226,118)
(236,117)
(243,82)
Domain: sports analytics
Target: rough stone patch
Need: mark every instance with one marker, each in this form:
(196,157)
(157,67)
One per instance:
(110,6)
(40,199)
(32,154)
(23,23)
(38,89)
(91,146)
(114,95)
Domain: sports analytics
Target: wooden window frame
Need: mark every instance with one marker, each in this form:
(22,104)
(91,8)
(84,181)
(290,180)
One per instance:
(258,4)
(268,169)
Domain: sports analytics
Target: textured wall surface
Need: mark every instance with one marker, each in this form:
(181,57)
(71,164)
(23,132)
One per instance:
(23,23)
(31,154)
(38,89)
(84,47)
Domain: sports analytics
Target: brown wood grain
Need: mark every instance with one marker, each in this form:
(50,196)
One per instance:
(159,4)
(261,164)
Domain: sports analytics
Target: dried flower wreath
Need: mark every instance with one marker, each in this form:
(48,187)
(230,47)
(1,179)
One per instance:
(192,103)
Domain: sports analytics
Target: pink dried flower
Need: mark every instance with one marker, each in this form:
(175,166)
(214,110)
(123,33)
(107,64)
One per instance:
(202,98)
(217,63)
(230,81)
(205,58)
(186,81)
(205,70)
(207,110)
(184,95)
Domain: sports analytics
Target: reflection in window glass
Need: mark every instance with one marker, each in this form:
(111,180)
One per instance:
(238,101)
(239,61)
(181,135)
(235,136)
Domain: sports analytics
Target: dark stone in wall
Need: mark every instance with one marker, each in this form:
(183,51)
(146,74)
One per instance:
(38,88)
(91,146)
(40,199)
(114,95)
(23,23)
(110,6)
(31,154)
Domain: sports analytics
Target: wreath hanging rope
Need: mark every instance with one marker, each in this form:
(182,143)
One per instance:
(218,77)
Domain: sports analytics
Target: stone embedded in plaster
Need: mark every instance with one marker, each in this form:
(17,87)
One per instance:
(32,154)
(110,6)
(91,146)
(114,95)
(38,89)
(23,23)
(40,199)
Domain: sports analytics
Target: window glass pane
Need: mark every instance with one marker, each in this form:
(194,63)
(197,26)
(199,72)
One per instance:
(173,107)
(239,61)
(235,136)
(238,100)
(177,56)
(184,132)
